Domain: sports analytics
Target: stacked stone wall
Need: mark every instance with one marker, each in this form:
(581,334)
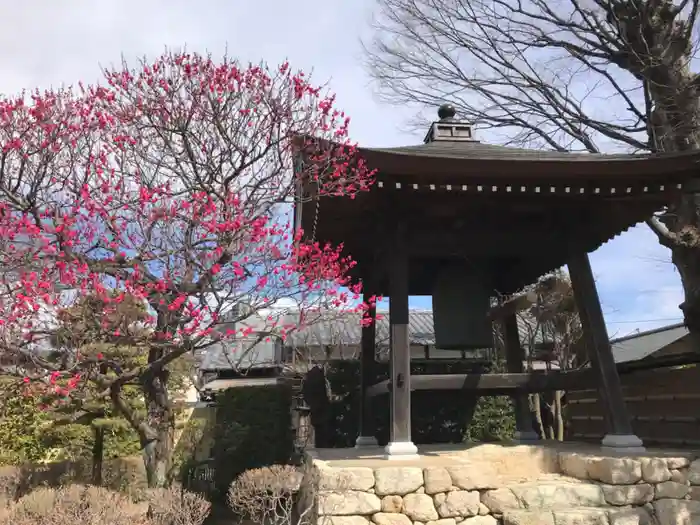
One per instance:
(588,489)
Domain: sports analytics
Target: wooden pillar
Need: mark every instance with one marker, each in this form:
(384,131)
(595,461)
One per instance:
(366,437)
(620,434)
(400,445)
(514,361)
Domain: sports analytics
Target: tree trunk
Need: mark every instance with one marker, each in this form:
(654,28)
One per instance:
(673,92)
(98,447)
(558,416)
(687,260)
(550,419)
(537,409)
(98,454)
(159,443)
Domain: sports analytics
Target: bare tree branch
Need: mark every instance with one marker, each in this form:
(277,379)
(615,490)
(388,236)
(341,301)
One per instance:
(569,75)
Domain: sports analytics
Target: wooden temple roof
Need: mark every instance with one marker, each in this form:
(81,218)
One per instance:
(519,212)
(470,161)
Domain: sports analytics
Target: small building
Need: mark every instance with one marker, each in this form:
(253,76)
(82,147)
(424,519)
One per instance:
(660,342)
(260,360)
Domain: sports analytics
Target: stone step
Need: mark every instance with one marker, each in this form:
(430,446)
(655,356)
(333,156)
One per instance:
(562,494)
(565,494)
(579,516)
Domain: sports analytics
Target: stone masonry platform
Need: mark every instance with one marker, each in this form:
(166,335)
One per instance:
(510,484)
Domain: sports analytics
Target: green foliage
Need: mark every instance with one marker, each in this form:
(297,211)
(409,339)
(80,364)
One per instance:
(193,434)
(493,420)
(28,435)
(253,429)
(494,416)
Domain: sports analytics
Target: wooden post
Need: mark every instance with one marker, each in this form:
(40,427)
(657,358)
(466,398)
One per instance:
(514,361)
(620,434)
(366,437)
(400,445)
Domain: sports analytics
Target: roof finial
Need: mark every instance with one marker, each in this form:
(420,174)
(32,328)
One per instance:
(446,112)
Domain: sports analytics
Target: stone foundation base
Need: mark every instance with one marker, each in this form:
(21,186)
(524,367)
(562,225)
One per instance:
(366,442)
(553,487)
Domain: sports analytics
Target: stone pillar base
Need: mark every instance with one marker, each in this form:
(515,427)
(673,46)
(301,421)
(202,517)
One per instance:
(526,436)
(622,443)
(401,450)
(366,441)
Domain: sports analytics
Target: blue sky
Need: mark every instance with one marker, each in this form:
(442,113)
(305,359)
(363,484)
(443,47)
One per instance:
(53,43)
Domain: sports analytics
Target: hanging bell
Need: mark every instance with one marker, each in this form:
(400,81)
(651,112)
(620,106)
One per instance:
(461,302)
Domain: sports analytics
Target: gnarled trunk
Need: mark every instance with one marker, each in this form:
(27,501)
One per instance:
(158,443)
(674,126)
(687,260)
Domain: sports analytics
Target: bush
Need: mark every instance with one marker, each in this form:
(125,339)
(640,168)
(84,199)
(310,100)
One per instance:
(10,485)
(26,435)
(266,495)
(126,475)
(175,506)
(493,420)
(74,504)
(253,429)
(89,505)
(121,474)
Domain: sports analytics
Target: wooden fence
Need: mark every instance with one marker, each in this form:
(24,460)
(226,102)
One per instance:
(664,405)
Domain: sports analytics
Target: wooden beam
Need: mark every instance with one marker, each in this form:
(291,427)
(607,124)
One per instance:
(515,356)
(367,368)
(497,384)
(515,304)
(400,425)
(595,335)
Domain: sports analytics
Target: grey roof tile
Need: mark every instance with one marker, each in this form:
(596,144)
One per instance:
(638,346)
(333,328)
(483,151)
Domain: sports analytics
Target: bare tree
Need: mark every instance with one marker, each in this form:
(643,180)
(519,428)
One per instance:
(561,342)
(551,334)
(579,75)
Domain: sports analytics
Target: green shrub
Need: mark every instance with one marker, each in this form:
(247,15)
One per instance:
(27,436)
(253,429)
(493,420)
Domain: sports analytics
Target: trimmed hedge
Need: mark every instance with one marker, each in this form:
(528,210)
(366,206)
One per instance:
(253,429)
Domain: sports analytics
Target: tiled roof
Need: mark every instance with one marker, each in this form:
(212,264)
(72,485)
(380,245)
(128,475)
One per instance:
(345,328)
(480,150)
(638,346)
(335,328)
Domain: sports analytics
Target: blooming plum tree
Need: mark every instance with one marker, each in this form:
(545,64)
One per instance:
(169,186)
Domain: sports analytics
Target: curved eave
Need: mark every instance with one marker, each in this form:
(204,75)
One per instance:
(493,162)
